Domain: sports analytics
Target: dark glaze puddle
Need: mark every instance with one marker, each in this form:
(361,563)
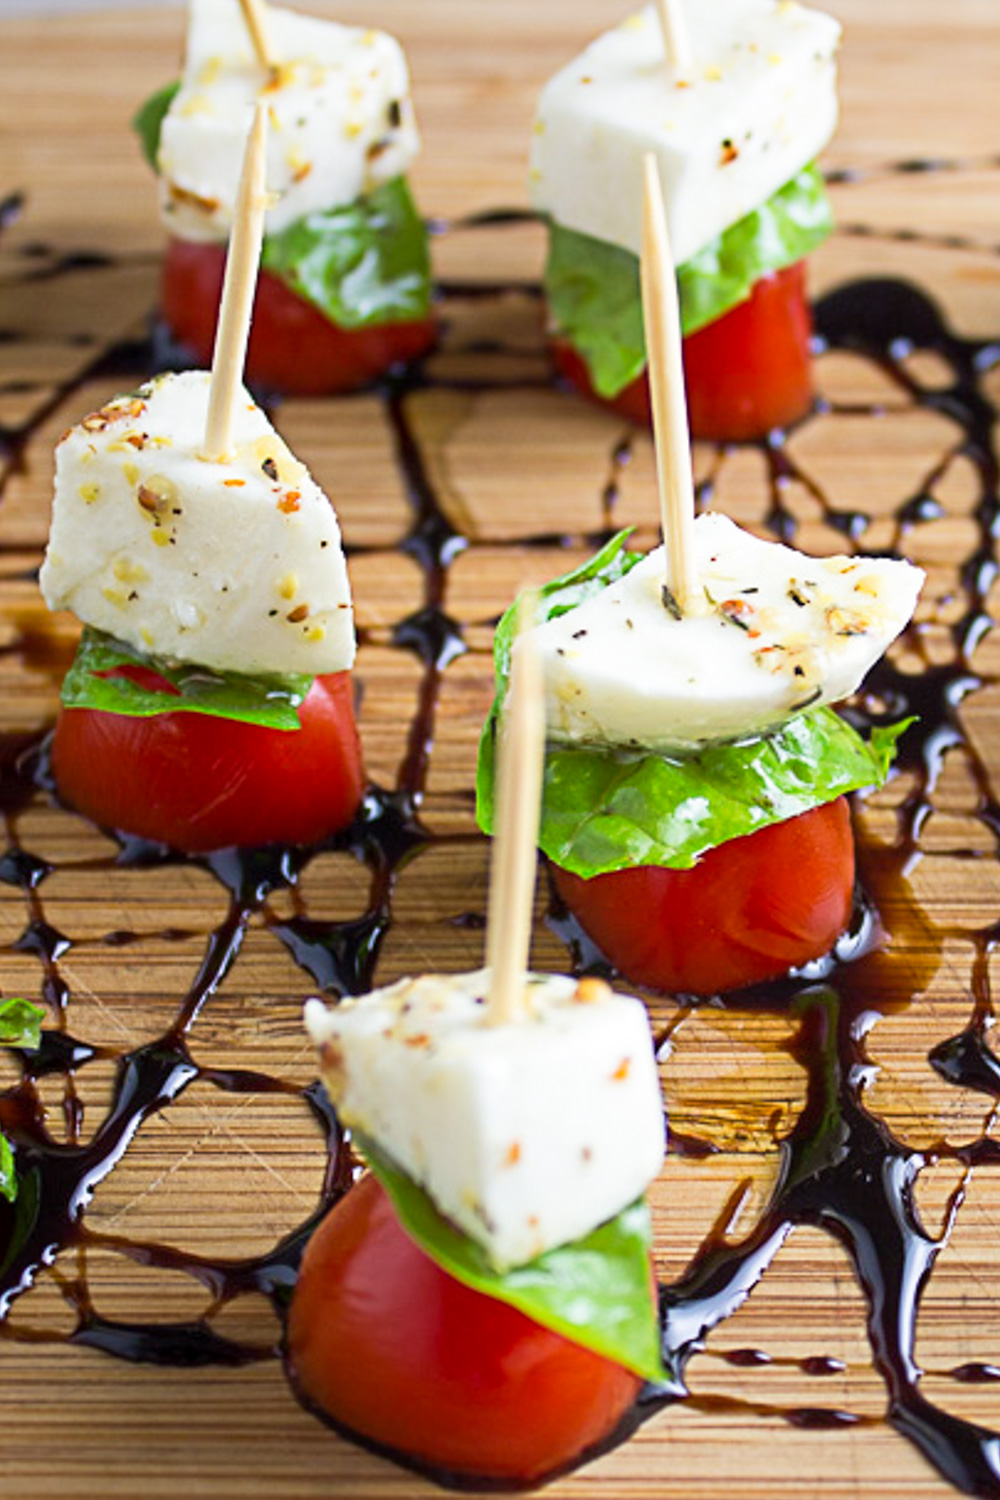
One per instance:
(842,1171)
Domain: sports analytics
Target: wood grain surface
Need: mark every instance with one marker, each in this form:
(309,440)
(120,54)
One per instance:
(513,460)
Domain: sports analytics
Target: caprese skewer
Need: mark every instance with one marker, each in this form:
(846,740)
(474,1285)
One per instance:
(695,773)
(481,1303)
(735,125)
(210,701)
(345,289)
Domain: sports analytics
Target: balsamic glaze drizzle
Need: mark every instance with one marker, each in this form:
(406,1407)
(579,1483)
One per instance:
(842,1170)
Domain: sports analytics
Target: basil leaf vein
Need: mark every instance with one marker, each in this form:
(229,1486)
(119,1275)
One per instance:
(593,287)
(596,1292)
(270,701)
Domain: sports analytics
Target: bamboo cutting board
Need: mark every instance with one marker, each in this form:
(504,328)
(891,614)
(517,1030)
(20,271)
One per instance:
(786,1399)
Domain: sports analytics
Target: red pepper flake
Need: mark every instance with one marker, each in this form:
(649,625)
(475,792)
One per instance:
(621,1072)
(513,1155)
(739,612)
(289,502)
(232,483)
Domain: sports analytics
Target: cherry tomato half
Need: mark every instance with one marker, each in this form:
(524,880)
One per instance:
(198,782)
(749,910)
(293,348)
(745,374)
(388,1345)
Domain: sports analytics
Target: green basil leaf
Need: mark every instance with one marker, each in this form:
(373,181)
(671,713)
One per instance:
(605,809)
(612,562)
(594,300)
(26,1197)
(361,264)
(20,1023)
(781,231)
(593,287)
(271,701)
(609,810)
(8,1171)
(20,1026)
(147,122)
(596,1292)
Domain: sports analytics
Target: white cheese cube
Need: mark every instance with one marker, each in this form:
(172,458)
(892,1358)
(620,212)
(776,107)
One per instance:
(526,1135)
(341,118)
(782,632)
(760,104)
(237,565)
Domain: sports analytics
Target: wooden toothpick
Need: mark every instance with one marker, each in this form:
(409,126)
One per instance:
(255,15)
(520,758)
(676,39)
(661,316)
(235,310)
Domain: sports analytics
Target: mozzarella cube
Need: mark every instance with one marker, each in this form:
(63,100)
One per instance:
(781,632)
(341,118)
(235,564)
(526,1135)
(759,105)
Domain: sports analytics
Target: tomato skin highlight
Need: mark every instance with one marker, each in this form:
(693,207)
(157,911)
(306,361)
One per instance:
(748,911)
(745,374)
(198,782)
(388,1345)
(293,347)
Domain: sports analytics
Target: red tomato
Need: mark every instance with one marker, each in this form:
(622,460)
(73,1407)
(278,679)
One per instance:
(293,348)
(632,402)
(387,1344)
(748,911)
(198,782)
(746,373)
